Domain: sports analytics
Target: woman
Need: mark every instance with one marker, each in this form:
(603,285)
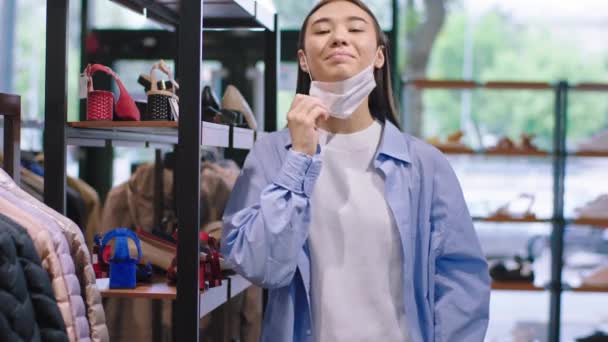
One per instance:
(360,232)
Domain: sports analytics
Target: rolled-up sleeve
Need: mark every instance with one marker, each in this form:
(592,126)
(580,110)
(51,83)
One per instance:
(266,220)
(462,281)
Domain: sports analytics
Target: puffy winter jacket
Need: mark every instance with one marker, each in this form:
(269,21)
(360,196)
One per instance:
(84,272)
(47,316)
(17,319)
(53,249)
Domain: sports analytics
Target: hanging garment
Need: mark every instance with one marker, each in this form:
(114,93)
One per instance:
(53,248)
(33,184)
(130,205)
(47,316)
(84,272)
(83,267)
(17,318)
(92,205)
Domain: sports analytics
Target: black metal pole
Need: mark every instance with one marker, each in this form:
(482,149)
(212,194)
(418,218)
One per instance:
(272,59)
(188,169)
(158,188)
(557,236)
(55,103)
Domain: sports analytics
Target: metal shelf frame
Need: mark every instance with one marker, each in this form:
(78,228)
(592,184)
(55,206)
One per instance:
(216,13)
(558,155)
(188,20)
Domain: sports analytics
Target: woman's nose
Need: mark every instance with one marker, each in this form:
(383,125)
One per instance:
(339,38)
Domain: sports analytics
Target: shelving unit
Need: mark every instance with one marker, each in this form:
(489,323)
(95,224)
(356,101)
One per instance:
(10,111)
(448,150)
(188,18)
(590,222)
(511,220)
(154,134)
(515,286)
(557,155)
(210,299)
(587,87)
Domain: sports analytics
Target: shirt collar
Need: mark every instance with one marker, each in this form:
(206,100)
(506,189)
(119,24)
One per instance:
(392,143)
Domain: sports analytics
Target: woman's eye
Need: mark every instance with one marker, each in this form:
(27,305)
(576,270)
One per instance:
(322,32)
(355,30)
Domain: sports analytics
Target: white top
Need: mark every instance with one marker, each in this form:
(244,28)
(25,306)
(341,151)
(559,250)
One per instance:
(356,257)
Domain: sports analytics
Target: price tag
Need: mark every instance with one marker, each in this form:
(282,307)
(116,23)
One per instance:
(82,86)
(174,108)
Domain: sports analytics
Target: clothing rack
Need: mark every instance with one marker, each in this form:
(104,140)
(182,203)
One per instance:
(186,136)
(10,109)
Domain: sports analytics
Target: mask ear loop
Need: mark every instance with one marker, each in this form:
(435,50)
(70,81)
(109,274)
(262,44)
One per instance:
(307,67)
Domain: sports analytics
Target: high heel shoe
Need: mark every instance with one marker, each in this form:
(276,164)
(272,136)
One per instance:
(210,106)
(144,80)
(233,100)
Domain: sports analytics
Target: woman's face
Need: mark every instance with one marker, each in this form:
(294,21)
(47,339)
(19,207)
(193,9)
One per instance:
(340,42)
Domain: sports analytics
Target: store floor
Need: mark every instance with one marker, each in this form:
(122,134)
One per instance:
(523,316)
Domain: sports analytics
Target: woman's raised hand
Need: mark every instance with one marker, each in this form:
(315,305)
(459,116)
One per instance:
(302,119)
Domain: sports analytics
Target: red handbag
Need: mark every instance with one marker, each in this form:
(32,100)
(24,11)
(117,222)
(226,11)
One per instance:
(100,103)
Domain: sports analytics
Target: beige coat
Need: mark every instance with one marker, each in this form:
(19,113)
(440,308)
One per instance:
(131,205)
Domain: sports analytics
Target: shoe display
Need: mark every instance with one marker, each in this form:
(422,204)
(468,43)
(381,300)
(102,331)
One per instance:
(163,103)
(596,209)
(516,270)
(527,143)
(518,208)
(122,266)
(210,106)
(598,336)
(453,143)
(100,103)
(146,82)
(597,143)
(597,277)
(504,145)
(233,100)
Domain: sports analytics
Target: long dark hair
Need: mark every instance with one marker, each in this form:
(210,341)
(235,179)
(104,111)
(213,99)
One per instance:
(381,100)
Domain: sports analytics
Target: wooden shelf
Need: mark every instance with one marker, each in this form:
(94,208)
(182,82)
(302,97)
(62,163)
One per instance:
(588,86)
(511,220)
(508,153)
(524,286)
(586,288)
(515,286)
(158,289)
(210,299)
(454,150)
(597,154)
(468,84)
(591,222)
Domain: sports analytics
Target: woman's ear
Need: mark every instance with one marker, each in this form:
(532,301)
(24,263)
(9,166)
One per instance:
(302,60)
(380,59)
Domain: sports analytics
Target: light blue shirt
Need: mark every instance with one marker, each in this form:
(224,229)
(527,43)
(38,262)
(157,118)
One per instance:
(446,283)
